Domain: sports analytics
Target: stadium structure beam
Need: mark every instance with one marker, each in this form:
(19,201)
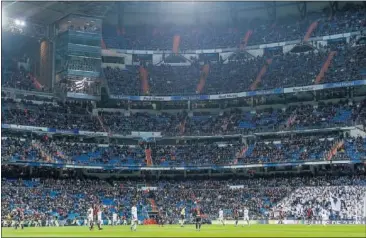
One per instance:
(234,15)
(121,9)
(197,17)
(302,8)
(334,7)
(271,10)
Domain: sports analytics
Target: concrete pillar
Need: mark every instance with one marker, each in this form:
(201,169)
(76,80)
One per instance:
(46,63)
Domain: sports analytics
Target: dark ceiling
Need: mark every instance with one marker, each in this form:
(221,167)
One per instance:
(47,12)
(51,11)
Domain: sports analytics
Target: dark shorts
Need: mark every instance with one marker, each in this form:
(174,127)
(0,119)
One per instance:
(236,218)
(182,217)
(198,219)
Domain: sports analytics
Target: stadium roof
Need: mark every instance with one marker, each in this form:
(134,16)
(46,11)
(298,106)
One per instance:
(47,12)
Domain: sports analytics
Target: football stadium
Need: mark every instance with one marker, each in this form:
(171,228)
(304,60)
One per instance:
(183,119)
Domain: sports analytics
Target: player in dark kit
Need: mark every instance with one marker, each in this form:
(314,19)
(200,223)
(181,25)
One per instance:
(161,217)
(309,215)
(96,218)
(19,215)
(197,213)
(281,216)
(236,216)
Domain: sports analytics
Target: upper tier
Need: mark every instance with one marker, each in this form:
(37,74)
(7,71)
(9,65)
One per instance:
(340,63)
(214,37)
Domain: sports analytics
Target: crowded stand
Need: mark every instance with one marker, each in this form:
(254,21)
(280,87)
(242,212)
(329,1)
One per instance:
(66,116)
(234,121)
(284,70)
(19,78)
(287,153)
(300,148)
(65,200)
(345,201)
(214,37)
(295,117)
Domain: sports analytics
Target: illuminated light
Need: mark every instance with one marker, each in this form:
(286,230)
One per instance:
(19,22)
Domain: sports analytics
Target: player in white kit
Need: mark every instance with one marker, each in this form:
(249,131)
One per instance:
(134,218)
(246,215)
(90,218)
(100,221)
(114,219)
(221,216)
(325,217)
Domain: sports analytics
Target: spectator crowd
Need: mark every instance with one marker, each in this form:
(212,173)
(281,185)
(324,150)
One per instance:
(213,37)
(283,70)
(67,200)
(297,148)
(234,121)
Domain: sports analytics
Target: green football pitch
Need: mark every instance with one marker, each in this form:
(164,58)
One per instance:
(190,231)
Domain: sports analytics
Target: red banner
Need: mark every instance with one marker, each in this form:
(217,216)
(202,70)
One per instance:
(246,39)
(260,75)
(148,157)
(203,77)
(144,82)
(35,82)
(310,30)
(325,67)
(176,43)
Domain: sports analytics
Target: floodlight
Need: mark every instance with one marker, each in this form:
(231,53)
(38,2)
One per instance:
(17,22)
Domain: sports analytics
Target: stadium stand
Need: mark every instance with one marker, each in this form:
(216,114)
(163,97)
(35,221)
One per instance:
(78,116)
(284,152)
(68,199)
(285,70)
(211,37)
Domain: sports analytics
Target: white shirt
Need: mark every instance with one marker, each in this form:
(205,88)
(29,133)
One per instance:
(134,212)
(115,216)
(90,212)
(221,213)
(246,212)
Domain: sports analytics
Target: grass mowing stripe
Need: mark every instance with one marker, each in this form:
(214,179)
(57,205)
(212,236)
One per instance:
(189,231)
